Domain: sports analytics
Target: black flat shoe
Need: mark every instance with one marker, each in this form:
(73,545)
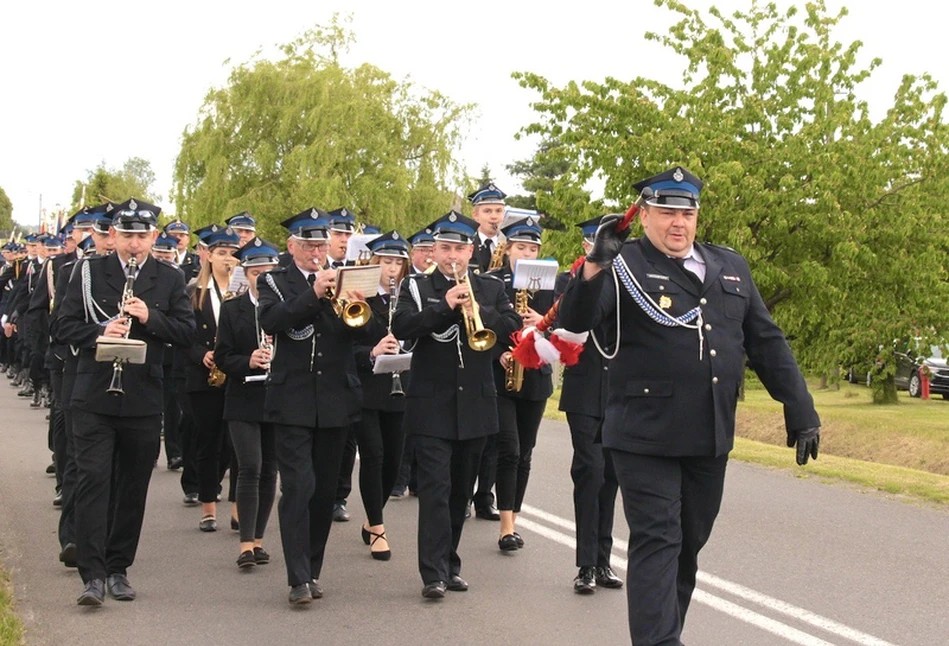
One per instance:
(365,535)
(119,588)
(507,543)
(607,578)
(434,590)
(261,556)
(208,524)
(381,555)
(300,595)
(457,584)
(68,556)
(93,594)
(51,470)
(235,525)
(585,583)
(246,559)
(520,541)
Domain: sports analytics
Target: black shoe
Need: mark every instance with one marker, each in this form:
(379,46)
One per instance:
(208,524)
(520,541)
(300,595)
(434,590)
(507,543)
(585,583)
(607,578)
(261,556)
(191,499)
(37,401)
(457,584)
(68,556)
(398,493)
(93,594)
(414,492)
(365,534)
(119,588)
(246,559)
(235,524)
(381,555)
(58,499)
(51,469)
(487,513)
(316,590)
(26,392)
(175,463)
(340,515)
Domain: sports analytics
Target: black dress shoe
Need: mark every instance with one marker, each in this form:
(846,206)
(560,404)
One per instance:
(520,541)
(316,590)
(51,469)
(300,595)
(119,588)
(434,590)
(488,513)
(93,594)
(365,535)
(246,559)
(208,524)
(191,499)
(607,578)
(457,584)
(398,493)
(175,463)
(585,583)
(261,556)
(235,524)
(507,543)
(68,556)
(58,499)
(340,515)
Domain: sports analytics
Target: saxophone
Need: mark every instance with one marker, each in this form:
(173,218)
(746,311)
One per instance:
(514,373)
(497,258)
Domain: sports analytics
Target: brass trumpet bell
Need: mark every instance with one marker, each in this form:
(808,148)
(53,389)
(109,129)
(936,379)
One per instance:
(353,313)
(482,340)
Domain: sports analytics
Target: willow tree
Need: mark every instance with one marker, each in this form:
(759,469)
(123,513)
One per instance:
(841,216)
(304,130)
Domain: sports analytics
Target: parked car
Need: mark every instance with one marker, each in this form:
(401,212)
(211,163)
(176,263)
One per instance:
(911,361)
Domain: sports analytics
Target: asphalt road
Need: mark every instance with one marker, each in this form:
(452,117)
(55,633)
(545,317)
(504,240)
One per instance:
(792,561)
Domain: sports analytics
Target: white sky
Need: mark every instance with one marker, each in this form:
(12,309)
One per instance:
(99,80)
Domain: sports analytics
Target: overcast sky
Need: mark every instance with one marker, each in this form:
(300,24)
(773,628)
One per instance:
(84,82)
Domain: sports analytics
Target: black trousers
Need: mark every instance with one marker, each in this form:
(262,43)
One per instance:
(67,516)
(188,440)
(381,439)
(408,469)
(345,484)
(256,452)
(103,442)
(213,448)
(57,426)
(671,505)
(487,473)
(171,417)
(309,460)
(446,474)
(519,421)
(594,491)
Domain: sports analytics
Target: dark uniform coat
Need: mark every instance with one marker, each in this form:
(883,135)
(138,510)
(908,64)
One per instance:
(444,400)
(196,374)
(237,338)
(190,266)
(376,388)
(170,320)
(313,380)
(538,384)
(663,399)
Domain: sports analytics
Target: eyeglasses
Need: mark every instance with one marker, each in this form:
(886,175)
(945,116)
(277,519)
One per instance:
(313,246)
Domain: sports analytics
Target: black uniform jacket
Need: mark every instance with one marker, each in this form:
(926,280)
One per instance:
(663,398)
(376,388)
(196,374)
(190,266)
(481,258)
(585,384)
(445,400)
(59,348)
(538,384)
(39,310)
(237,338)
(170,320)
(313,380)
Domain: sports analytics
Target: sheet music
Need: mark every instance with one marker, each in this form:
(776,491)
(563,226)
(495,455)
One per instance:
(535,274)
(239,283)
(386,363)
(363,279)
(356,249)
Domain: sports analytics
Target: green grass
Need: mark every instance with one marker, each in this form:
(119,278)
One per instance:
(901,449)
(11,630)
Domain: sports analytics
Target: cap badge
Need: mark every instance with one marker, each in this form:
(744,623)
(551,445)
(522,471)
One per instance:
(395,235)
(452,218)
(133,204)
(313,214)
(257,242)
(229,231)
(677,175)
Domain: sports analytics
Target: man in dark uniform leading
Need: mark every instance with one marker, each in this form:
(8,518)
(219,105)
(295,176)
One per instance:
(116,435)
(451,403)
(689,314)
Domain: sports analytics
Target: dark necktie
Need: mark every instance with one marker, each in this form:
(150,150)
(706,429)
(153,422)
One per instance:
(311,279)
(336,264)
(688,274)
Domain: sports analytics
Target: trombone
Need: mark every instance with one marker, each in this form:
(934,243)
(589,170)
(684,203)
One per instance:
(480,338)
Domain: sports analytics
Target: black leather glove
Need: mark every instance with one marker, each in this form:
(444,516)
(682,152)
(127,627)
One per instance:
(608,241)
(807,441)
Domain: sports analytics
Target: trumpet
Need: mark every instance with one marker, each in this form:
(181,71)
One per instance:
(514,373)
(353,313)
(396,377)
(118,365)
(480,338)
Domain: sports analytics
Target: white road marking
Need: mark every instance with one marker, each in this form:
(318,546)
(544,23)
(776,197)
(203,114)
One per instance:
(776,605)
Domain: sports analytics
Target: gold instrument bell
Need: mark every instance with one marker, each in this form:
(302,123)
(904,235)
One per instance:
(480,338)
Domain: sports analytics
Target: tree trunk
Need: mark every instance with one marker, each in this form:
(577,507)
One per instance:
(823,382)
(884,391)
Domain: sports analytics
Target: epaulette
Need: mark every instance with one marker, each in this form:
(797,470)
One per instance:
(492,277)
(723,247)
(167,263)
(96,257)
(278,270)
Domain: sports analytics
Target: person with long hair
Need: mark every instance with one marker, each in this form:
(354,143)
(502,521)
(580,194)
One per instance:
(519,411)
(208,293)
(243,353)
(379,433)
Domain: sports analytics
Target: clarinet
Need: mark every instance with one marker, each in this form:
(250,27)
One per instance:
(396,378)
(115,386)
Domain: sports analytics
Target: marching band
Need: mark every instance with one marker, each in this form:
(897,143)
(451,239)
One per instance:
(273,364)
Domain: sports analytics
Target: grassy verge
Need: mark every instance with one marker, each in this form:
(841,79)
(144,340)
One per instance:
(11,630)
(902,449)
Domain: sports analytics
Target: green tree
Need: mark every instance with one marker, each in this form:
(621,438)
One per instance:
(6,213)
(841,217)
(305,131)
(134,178)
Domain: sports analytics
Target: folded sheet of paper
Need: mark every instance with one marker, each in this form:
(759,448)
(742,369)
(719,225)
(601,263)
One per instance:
(239,283)
(392,363)
(356,249)
(535,274)
(110,348)
(360,279)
